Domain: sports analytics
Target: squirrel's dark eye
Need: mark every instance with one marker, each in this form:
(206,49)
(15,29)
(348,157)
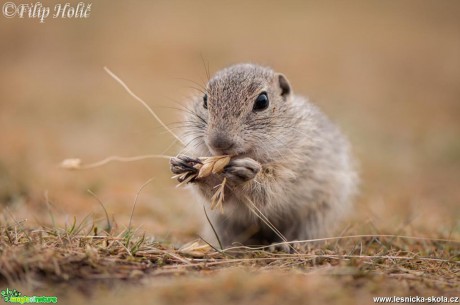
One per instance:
(261,102)
(205,101)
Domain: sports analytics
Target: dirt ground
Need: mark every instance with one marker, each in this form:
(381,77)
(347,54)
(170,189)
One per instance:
(388,72)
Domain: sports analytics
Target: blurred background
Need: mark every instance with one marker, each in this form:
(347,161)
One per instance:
(388,72)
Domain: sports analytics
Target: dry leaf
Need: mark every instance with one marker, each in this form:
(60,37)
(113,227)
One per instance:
(195,249)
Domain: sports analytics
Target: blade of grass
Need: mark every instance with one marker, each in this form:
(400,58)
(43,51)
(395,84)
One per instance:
(212,227)
(109,225)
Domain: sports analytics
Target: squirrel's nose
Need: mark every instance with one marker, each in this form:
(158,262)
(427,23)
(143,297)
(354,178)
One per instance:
(220,142)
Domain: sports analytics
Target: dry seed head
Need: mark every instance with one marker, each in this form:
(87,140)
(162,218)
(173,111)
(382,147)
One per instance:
(218,198)
(211,165)
(205,170)
(214,165)
(74,163)
(220,164)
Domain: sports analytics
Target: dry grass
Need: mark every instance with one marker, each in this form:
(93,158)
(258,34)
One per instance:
(84,253)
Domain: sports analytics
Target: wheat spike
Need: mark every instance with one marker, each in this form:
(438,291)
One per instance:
(209,166)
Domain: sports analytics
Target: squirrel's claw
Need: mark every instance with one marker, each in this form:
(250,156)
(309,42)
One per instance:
(242,170)
(183,164)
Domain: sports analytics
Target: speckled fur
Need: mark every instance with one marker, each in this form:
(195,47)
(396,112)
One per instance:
(306,178)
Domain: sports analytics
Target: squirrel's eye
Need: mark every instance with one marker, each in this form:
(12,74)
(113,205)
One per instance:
(205,101)
(261,102)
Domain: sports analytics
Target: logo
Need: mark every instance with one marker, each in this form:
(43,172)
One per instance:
(14,296)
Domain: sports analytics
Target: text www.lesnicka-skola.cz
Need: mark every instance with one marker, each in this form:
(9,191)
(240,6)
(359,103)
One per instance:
(41,12)
(417,299)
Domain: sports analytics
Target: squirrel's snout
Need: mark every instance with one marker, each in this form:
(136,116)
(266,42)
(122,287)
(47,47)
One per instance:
(221,143)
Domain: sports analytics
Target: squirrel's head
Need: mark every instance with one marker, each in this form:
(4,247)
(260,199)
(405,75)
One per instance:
(242,111)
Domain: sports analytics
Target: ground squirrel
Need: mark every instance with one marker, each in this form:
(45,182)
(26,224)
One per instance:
(289,159)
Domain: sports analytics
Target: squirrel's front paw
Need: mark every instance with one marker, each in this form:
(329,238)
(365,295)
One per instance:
(242,170)
(183,165)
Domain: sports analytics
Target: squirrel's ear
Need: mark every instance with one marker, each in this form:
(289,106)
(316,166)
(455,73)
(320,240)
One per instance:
(284,85)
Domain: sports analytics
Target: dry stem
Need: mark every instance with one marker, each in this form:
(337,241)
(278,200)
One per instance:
(76,163)
(143,103)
